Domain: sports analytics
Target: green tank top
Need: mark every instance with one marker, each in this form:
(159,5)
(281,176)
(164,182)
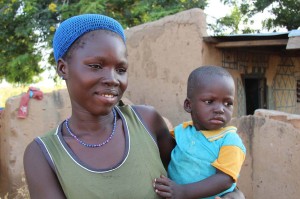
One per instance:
(130,179)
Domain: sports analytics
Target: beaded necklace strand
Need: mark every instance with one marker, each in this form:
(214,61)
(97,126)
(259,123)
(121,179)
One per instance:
(93,145)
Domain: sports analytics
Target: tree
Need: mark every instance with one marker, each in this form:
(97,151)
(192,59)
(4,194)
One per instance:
(283,14)
(230,24)
(24,30)
(29,25)
(286,13)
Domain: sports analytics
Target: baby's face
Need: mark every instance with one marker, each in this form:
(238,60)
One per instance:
(212,104)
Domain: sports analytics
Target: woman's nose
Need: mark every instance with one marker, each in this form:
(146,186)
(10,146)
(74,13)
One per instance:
(111,78)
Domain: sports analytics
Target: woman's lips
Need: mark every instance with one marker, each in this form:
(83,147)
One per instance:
(107,97)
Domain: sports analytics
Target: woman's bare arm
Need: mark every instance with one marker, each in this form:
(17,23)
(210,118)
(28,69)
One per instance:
(42,181)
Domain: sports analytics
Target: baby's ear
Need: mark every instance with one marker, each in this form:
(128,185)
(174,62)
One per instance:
(187,105)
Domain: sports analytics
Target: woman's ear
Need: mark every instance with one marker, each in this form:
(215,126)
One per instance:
(62,69)
(187,105)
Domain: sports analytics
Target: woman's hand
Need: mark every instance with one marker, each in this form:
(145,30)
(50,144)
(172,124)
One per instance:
(166,188)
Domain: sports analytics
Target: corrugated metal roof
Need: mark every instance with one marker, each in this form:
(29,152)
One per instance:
(250,37)
(257,34)
(294,33)
(273,41)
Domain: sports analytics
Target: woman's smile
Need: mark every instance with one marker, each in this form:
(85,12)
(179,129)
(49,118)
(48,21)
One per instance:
(107,97)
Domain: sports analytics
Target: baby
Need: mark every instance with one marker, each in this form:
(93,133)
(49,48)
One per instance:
(209,154)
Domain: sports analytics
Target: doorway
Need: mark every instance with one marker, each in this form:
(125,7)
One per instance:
(255,89)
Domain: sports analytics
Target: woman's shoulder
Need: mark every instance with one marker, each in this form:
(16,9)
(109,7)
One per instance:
(149,115)
(145,110)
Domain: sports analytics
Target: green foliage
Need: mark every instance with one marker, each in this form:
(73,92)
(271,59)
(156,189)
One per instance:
(28,27)
(19,36)
(232,21)
(286,15)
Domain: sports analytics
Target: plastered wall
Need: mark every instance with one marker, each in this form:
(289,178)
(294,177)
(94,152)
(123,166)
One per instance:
(271,168)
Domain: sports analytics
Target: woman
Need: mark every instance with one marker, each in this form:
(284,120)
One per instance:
(105,149)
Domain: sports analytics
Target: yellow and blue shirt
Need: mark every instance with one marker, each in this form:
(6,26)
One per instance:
(199,154)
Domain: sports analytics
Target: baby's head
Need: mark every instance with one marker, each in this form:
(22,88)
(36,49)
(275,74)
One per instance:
(210,97)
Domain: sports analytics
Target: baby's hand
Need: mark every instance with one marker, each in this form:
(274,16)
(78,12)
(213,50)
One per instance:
(166,188)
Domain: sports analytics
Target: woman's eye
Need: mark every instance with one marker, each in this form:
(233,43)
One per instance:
(121,70)
(228,104)
(95,66)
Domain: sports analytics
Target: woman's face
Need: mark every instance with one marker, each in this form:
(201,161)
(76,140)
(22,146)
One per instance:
(96,73)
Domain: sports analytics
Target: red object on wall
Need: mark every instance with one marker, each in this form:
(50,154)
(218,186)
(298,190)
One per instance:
(31,93)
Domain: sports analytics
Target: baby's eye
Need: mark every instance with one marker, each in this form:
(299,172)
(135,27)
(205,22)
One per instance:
(95,66)
(208,101)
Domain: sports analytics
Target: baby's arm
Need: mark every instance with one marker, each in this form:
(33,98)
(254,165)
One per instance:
(210,186)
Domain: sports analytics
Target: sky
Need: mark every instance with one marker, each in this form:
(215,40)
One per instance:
(215,10)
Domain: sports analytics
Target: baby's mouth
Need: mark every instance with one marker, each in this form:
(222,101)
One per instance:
(217,120)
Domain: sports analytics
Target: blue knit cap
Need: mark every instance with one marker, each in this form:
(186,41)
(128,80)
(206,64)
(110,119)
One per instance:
(74,27)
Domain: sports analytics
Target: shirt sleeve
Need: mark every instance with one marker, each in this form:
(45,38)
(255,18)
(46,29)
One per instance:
(231,156)
(184,125)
